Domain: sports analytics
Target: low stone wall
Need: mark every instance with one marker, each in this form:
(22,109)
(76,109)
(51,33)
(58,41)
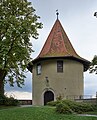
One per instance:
(90,100)
(25,102)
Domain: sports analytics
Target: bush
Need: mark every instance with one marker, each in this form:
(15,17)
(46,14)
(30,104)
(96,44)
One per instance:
(53,103)
(74,106)
(83,107)
(11,102)
(63,108)
(8,101)
(2,98)
(94,107)
(78,107)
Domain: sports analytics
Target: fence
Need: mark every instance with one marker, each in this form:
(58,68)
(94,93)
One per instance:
(91,100)
(83,98)
(73,97)
(25,102)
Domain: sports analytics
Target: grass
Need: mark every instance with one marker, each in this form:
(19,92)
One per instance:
(6,107)
(38,113)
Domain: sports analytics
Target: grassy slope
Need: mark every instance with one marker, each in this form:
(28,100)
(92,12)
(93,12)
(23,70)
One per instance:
(37,113)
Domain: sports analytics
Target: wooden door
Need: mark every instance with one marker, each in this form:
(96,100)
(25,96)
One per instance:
(48,96)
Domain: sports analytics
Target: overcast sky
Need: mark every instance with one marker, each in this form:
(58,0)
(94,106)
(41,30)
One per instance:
(78,21)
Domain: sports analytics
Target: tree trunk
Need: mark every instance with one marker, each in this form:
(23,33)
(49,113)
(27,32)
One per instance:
(2,76)
(1,87)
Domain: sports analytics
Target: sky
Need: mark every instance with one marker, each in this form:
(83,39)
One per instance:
(80,24)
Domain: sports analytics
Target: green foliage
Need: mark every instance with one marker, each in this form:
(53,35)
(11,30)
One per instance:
(2,98)
(76,107)
(39,113)
(93,65)
(53,103)
(11,102)
(8,101)
(63,108)
(94,107)
(18,24)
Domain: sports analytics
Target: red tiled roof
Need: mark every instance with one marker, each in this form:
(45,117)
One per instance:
(57,43)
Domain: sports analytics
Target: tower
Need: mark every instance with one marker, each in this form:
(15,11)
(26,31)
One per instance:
(58,69)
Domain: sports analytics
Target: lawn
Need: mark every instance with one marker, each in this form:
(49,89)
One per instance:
(6,107)
(38,113)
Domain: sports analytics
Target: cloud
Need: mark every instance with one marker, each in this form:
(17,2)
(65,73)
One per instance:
(27,87)
(90,84)
(19,95)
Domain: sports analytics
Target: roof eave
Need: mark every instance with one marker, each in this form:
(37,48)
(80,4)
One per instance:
(85,62)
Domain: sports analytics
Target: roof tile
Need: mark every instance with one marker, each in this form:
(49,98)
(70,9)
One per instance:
(57,43)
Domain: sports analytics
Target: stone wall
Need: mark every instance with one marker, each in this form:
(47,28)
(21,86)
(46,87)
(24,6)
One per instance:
(90,100)
(25,102)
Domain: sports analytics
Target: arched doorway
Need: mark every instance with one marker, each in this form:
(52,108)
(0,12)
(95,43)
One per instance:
(48,96)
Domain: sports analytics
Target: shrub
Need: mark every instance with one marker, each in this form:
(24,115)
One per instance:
(53,103)
(94,107)
(63,108)
(2,98)
(78,107)
(83,107)
(11,102)
(8,101)
(74,106)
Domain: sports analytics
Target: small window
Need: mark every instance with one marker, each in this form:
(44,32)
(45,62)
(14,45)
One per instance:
(38,69)
(59,66)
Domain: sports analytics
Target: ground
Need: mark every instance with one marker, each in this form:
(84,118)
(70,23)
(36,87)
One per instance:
(38,113)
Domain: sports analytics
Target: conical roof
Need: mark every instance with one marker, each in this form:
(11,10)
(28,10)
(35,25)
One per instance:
(58,45)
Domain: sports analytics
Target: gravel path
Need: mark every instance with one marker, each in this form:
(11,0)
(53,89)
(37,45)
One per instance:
(87,115)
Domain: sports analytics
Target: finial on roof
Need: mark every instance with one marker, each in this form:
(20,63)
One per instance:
(57,13)
(95,14)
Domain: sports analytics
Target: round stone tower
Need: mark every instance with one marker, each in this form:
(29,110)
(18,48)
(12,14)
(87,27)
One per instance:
(58,69)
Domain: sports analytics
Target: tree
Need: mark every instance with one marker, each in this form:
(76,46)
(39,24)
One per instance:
(93,65)
(18,23)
